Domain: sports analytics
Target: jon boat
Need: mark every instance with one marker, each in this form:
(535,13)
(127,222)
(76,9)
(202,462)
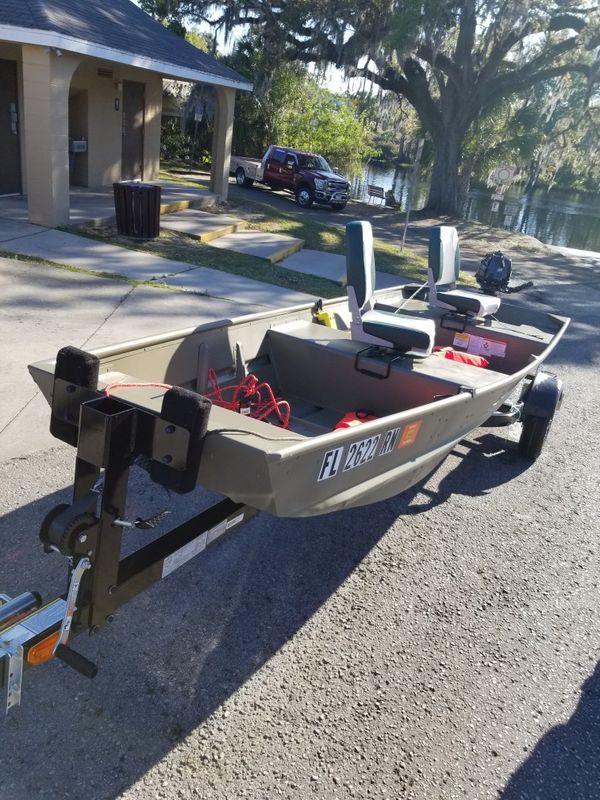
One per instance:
(378,357)
(273,443)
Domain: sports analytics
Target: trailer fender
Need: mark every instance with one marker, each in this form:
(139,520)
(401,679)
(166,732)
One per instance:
(544,396)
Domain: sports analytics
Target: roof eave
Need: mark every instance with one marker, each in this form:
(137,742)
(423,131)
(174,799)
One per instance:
(12,33)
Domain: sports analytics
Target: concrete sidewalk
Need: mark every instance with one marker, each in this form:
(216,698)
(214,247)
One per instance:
(45,308)
(332,267)
(227,233)
(95,206)
(202,225)
(89,254)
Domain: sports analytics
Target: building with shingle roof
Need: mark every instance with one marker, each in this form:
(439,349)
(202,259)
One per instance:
(81,95)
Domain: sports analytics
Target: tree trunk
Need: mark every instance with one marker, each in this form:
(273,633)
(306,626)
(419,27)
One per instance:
(533,174)
(444,193)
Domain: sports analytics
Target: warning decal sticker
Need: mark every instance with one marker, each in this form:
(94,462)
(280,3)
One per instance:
(478,346)
(410,434)
(461,340)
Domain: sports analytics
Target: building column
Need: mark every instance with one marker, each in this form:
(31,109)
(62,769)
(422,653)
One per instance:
(221,143)
(47,76)
(152,129)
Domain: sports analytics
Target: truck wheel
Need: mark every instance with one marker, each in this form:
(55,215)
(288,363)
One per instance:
(241,179)
(338,206)
(533,436)
(305,197)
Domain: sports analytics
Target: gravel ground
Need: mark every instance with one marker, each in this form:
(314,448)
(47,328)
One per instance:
(442,644)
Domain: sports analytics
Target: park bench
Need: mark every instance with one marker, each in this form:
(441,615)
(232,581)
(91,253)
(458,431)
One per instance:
(375,191)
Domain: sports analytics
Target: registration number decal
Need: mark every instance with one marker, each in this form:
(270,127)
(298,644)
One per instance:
(389,441)
(362,452)
(331,463)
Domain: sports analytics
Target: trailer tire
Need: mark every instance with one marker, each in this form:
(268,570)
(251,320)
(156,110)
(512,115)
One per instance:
(533,436)
(338,206)
(304,196)
(241,179)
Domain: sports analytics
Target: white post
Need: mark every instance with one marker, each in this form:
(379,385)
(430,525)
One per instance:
(413,180)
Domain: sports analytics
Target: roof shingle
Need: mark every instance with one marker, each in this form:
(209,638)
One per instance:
(116,24)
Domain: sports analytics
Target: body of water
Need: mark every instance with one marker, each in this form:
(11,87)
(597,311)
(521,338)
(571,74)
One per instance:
(556,217)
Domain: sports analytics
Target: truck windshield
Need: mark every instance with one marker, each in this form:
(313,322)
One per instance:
(313,162)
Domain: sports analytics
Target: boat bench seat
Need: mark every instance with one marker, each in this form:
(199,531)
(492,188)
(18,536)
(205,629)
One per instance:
(318,364)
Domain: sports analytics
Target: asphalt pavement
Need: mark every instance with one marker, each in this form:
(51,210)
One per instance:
(442,644)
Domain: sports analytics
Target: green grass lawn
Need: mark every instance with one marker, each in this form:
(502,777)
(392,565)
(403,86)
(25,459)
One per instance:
(329,238)
(316,235)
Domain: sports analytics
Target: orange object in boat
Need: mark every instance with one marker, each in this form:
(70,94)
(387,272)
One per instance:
(464,358)
(353,418)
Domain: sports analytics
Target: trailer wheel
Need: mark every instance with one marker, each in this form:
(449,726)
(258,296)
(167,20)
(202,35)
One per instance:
(533,436)
(241,179)
(338,206)
(542,398)
(305,197)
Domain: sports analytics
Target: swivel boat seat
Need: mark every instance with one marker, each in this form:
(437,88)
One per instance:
(409,335)
(442,272)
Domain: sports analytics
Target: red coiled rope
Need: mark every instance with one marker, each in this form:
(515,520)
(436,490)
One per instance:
(249,397)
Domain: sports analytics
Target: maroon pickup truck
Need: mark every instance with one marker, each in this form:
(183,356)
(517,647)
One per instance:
(307,175)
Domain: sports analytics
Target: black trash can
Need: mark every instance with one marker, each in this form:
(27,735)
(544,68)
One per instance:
(137,207)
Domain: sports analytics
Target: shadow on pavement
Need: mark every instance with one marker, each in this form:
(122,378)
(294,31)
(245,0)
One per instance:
(175,654)
(564,763)
(483,463)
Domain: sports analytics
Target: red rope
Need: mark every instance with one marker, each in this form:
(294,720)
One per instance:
(249,397)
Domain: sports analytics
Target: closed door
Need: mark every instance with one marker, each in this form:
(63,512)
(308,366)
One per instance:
(289,173)
(132,153)
(10,162)
(274,167)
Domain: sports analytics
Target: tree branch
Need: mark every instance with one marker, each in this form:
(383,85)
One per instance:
(465,43)
(501,50)
(439,61)
(519,81)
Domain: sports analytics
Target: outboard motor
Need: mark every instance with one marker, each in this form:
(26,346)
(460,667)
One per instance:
(494,273)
